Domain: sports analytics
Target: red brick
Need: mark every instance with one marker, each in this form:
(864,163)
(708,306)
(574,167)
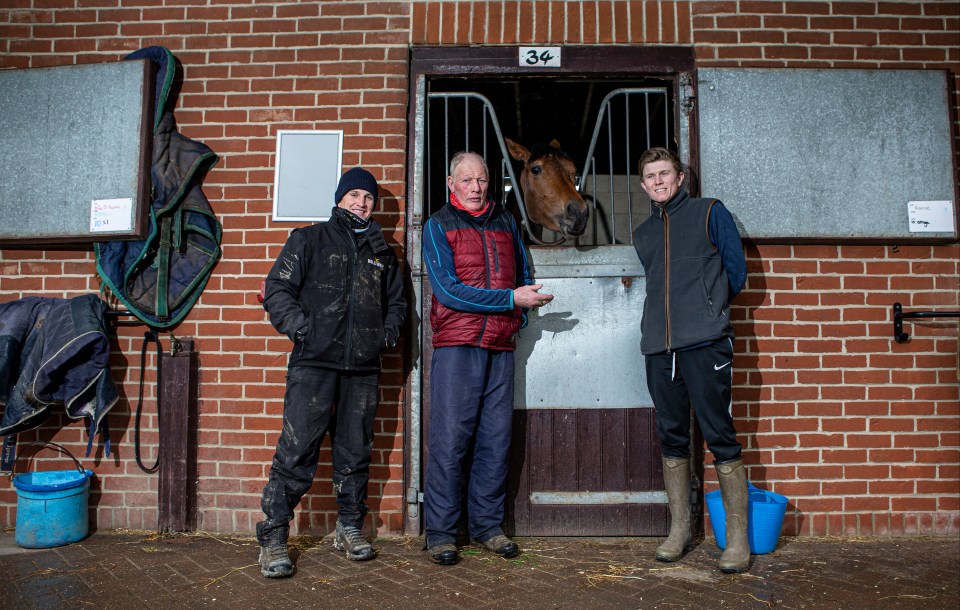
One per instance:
(668,22)
(684,33)
(811,38)
(651,20)
(711,8)
(558,23)
(760,6)
(922,24)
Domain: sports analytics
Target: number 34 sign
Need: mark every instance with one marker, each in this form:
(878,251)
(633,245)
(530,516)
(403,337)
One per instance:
(539,57)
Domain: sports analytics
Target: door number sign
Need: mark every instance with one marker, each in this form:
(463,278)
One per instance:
(539,57)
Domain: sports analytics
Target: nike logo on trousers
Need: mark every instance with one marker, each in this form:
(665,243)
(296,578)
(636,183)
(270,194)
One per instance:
(718,367)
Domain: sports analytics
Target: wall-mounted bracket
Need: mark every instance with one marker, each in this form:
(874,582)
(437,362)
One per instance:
(899,317)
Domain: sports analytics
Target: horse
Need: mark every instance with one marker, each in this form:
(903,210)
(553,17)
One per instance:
(550,195)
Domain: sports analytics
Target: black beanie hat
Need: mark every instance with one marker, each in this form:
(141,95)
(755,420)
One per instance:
(356,178)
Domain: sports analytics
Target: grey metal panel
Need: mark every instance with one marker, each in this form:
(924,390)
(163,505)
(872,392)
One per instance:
(583,350)
(595,261)
(70,135)
(819,154)
(566,498)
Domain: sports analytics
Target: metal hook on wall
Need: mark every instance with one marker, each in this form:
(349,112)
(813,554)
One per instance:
(899,317)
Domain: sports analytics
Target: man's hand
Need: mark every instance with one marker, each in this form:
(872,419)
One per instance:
(527,296)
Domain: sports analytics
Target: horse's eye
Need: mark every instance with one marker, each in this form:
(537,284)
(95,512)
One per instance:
(536,169)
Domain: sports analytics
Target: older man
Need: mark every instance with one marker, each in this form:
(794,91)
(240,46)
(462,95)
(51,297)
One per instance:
(481,285)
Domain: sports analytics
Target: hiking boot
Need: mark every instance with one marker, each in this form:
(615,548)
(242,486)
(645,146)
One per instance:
(501,545)
(349,539)
(275,561)
(676,481)
(444,554)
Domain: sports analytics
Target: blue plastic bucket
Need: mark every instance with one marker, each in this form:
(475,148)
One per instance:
(765,512)
(52,507)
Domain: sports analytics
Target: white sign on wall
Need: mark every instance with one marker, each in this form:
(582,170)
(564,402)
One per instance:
(307,173)
(107,215)
(930,216)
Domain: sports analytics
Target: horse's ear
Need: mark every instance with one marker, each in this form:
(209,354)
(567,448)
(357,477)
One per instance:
(517,151)
(555,144)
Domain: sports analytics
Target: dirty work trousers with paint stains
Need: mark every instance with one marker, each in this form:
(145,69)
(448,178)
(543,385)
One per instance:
(471,404)
(316,400)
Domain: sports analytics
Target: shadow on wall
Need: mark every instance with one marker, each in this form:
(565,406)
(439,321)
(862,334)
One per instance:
(749,391)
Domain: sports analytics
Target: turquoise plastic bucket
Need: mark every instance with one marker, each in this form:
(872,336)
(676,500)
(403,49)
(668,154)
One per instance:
(765,512)
(52,507)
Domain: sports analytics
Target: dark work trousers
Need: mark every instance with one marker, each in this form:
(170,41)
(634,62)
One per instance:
(471,399)
(308,411)
(702,377)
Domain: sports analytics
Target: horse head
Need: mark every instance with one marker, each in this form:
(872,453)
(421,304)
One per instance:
(549,191)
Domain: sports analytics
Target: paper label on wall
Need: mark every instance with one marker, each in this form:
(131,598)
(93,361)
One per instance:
(109,215)
(931,216)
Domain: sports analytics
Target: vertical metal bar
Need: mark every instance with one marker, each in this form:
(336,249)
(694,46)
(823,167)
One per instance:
(415,259)
(613,199)
(466,124)
(666,123)
(486,117)
(596,224)
(627,169)
(646,113)
(446,141)
(424,189)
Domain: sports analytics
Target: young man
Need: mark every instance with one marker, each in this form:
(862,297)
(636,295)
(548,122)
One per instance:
(336,292)
(694,265)
(481,282)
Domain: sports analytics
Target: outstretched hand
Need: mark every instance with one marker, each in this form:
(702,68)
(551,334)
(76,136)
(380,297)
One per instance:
(529,297)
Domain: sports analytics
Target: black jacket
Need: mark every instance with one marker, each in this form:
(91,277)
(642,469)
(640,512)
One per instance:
(54,351)
(337,296)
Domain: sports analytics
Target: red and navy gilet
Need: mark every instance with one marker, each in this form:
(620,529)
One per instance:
(474,264)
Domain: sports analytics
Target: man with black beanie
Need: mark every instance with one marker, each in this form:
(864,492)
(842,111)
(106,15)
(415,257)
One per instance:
(336,292)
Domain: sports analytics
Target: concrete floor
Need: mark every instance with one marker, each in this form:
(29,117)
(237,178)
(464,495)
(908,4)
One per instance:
(141,570)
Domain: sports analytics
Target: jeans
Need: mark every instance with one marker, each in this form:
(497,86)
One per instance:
(316,400)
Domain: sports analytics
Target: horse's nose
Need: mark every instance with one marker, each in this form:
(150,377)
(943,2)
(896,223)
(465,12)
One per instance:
(578,212)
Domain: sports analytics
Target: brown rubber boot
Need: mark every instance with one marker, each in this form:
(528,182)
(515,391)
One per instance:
(676,480)
(733,490)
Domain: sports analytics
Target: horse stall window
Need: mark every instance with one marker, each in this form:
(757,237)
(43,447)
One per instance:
(603,125)
(585,459)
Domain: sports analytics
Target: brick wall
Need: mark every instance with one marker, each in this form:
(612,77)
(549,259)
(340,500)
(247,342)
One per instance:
(860,432)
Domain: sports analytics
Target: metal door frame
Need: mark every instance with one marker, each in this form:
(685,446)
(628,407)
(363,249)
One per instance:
(436,62)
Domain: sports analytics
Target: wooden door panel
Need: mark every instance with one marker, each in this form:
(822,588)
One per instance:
(585,472)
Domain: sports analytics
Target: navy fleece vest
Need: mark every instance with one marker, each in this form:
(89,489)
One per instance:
(688,295)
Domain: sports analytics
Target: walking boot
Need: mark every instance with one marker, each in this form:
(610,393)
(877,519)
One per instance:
(350,540)
(733,490)
(275,561)
(501,545)
(676,480)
